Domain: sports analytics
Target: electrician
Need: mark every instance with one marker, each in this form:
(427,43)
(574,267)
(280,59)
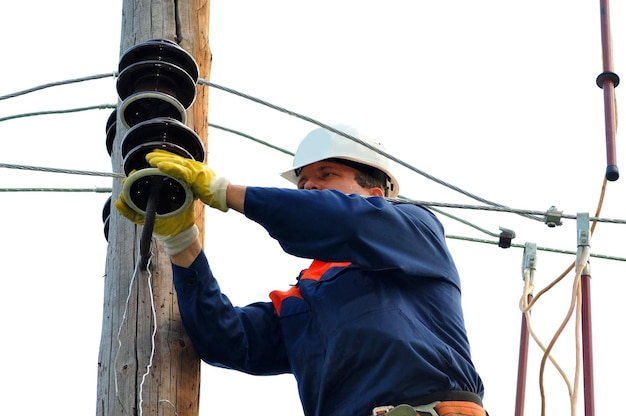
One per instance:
(373,326)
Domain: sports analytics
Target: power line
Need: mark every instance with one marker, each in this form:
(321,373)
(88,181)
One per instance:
(449,236)
(67,171)
(548,249)
(70,110)
(96,190)
(539,215)
(429,204)
(503,209)
(254,139)
(56,84)
(371,147)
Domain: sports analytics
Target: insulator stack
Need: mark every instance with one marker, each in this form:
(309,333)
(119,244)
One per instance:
(157,84)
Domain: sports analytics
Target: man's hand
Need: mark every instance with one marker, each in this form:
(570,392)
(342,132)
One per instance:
(206,186)
(177,232)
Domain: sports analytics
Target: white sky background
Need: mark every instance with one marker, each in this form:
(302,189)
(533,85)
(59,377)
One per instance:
(499,100)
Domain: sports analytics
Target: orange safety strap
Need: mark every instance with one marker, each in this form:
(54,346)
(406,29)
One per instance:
(318,268)
(278,296)
(315,271)
(458,408)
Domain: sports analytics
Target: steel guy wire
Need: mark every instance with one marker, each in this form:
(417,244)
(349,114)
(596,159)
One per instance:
(370,146)
(96,190)
(66,111)
(501,209)
(547,249)
(536,214)
(254,139)
(67,171)
(58,83)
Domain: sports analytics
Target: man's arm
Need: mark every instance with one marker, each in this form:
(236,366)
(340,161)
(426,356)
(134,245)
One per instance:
(235,199)
(186,257)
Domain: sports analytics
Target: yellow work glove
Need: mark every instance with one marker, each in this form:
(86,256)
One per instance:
(205,185)
(177,232)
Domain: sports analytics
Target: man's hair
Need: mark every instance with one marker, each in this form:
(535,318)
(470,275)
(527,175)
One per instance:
(367,176)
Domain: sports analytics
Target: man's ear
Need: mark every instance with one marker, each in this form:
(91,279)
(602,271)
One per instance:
(375,191)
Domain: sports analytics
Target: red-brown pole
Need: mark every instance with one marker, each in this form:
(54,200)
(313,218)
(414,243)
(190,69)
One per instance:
(587,343)
(608,80)
(528,271)
(522,365)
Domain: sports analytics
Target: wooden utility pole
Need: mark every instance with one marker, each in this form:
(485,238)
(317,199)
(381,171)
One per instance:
(147,365)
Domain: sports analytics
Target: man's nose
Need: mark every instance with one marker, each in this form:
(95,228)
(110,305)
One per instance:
(311,184)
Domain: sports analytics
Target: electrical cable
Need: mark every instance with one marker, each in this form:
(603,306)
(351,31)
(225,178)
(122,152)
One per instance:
(66,171)
(528,289)
(254,139)
(58,83)
(582,257)
(357,140)
(66,111)
(96,190)
(504,209)
(154,327)
(574,304)
(119,332)
(539,248)
(461,220)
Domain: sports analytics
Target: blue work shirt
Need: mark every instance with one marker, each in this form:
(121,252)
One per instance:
(376,320)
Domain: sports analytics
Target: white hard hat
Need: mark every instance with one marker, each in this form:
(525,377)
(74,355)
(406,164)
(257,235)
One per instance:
(322,144)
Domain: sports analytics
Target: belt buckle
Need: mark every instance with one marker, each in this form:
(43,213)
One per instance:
(400,410)
(406,410)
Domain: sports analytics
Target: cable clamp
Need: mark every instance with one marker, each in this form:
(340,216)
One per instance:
(530,258)
(582,227)
(506,236)
(553,217)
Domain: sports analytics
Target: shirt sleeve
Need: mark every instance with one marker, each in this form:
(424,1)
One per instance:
(247,338)
(370,232)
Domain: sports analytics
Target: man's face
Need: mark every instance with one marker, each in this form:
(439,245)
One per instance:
(333,175)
